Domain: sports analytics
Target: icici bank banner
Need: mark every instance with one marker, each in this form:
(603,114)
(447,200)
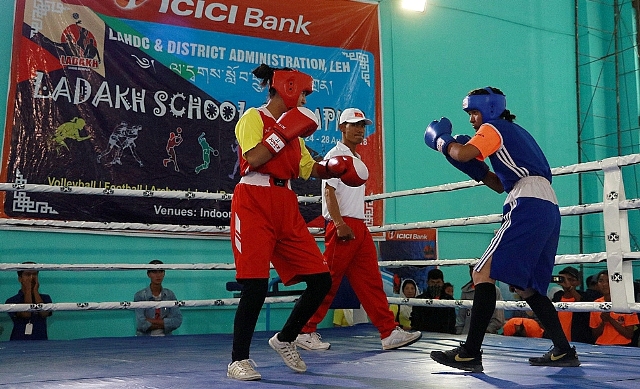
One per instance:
(145,94)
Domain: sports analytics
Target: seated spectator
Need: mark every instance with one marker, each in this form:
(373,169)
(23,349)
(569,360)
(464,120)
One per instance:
(29,325)
(342,317)
(523,323)
(347,317)
(402,313)
(434,319)
(610,327)
(156,321)
(448,289)
(463,316)
(524,327)
(574,324)
(592,293)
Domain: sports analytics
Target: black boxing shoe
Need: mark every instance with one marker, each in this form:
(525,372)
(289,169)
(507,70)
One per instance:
(558,358)
(459,358)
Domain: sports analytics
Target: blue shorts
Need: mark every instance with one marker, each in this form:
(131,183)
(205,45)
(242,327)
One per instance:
(524,248)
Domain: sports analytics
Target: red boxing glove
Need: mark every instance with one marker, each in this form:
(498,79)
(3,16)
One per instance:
(352,171)
(297,122)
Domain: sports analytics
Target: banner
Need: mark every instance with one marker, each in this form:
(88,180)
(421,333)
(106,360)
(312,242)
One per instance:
(145,95)
(404,245)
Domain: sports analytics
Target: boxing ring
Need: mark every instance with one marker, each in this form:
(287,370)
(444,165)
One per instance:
(355,359)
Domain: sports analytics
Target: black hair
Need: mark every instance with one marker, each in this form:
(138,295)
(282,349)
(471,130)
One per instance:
(601,273)
(265,72)
(155,262)
(435,274)
(506,114)
(409,281)
(25,263)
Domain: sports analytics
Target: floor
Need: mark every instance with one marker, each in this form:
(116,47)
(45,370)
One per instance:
(355,360)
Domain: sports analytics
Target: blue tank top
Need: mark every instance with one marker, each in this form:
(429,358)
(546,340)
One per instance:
(518,157)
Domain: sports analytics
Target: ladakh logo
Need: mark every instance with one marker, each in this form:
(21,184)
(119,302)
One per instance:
(129,4)
(79,46)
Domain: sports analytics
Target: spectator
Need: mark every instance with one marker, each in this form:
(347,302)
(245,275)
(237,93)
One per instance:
(463,317)
(448,289)
(346,317)
(29,325)
(434,319)
(592,293)
(610,327)
(525,327)
(574,324)
(402,313)
(523,323)
(156,321)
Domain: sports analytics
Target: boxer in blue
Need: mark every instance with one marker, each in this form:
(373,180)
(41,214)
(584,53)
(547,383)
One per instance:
(522,252)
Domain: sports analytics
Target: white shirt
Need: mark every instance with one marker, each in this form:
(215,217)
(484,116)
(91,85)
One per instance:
(350,199)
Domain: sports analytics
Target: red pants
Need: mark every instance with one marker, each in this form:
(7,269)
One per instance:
(358,261)
(267,227)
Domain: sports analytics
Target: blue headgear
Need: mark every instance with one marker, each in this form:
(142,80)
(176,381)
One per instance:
(490,106)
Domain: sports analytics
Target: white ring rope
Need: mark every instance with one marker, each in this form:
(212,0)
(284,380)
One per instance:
(177,231)
(92,306)
(559,171)
(116,266)
(560,259)
(86,306)
(496,218)
(511,305)
(162,194)
(217,231)
(223,231)
(190,195)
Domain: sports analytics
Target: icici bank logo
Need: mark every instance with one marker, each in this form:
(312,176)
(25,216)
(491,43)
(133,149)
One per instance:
(129,4)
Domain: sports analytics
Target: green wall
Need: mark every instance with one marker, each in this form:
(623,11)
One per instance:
(430,61)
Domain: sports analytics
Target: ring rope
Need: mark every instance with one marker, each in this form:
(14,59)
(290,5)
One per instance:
(190,195)
(162,194)
(87,227)
(497,218)
(223,231)
(583,167)
(216,231)
(511,305)
(91,306)
(560,259)
(116,266)
(126,305)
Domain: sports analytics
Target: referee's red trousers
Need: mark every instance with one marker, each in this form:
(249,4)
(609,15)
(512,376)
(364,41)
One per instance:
(357,260)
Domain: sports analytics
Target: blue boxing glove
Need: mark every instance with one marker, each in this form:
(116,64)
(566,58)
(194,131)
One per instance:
(438,135)
(474,168)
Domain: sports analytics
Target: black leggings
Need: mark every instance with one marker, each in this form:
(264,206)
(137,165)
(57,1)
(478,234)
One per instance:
(254,291)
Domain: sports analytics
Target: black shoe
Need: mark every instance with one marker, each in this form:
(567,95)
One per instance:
(558,358)
(460,359)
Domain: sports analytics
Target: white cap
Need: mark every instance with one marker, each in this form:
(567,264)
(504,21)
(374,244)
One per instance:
(353,115)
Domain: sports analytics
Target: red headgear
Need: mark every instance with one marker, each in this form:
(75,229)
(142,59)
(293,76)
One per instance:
(290,83)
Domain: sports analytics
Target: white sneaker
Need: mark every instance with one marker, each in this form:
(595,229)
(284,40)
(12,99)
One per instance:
(289,354)
(312,341)
(243,370)
(400,338)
